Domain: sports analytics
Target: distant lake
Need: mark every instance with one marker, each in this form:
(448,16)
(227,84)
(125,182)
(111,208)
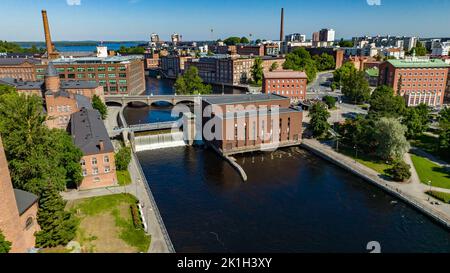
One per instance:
(82,46)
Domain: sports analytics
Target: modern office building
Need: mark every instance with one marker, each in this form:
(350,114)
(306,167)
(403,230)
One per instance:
(18,211)
(98,163)
(117,74)
(417,79)
(255,122)
(288,83)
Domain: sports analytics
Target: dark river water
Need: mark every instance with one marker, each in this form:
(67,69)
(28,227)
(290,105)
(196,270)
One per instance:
(293,201)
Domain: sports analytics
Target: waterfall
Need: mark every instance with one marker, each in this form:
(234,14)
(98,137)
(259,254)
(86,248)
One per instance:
(153,142)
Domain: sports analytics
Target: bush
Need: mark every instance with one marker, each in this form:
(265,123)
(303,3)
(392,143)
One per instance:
(123,158)
(400,171)
(137,222)
(330,101)
(443,196)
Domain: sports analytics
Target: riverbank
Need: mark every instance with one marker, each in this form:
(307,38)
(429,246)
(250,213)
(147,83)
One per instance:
(409,193)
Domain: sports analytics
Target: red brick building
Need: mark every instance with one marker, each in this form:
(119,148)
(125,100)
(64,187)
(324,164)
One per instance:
(18,211)
(288,83)
(244,123)
(418,80)
(250,50)
(98,164)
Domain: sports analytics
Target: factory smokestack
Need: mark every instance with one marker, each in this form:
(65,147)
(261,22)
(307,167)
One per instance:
(48,39)
(282,25)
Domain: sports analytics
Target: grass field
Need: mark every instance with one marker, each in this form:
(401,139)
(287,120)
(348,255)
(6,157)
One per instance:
(443,196)
(123,177)
(366,160)
(106,225)
(428,171)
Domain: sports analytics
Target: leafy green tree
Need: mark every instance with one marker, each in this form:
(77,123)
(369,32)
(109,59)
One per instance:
(356,88)
(257,71)
(340,74)
(300,60)
(413,122)
(400,171)
(319,119)
(244,40)
(419,50)
(131,50)
(123,158)
(6,89)
(258,41)
(190,83)
(384,103)
(444,143)
(98,104)
(444,119)
(6,47)
(324,62)
(274,66)
(392,143)
(58,227)
(343,43)
(5,246)
(330,101)
(232,40)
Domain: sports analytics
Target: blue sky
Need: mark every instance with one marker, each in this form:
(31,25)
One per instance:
(137,19)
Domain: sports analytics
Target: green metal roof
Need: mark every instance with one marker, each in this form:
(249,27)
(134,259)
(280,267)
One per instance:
(418,63)
(373,72)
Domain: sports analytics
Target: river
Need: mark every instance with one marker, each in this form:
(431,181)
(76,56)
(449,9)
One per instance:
(293,201)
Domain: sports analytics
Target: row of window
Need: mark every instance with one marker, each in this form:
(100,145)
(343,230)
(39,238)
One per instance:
(288,86)
(423,79)
(422,73)
(83,69)
(287,92)
(95,171)
(423,85)
(94,160)
(62,108)
(285,81)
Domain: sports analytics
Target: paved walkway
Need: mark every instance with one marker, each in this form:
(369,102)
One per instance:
(137,188)
(414,191)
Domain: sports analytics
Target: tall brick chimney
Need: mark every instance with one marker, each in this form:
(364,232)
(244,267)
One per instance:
(48,39)
(282,25)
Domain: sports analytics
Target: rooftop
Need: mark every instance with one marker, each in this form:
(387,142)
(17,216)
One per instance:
(252,113)
(74,84)
(89,60)
(285,74)
(237,99)
(23,85)
(24,200)
(373,72)
(18,61)
(418,63)
(88,132)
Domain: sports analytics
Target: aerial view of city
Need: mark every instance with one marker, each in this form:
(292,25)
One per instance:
(292,126)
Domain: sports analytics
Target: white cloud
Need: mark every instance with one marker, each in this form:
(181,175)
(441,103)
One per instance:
(374,2)
(73,2)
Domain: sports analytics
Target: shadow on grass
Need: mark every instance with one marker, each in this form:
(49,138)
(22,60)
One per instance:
(443,170)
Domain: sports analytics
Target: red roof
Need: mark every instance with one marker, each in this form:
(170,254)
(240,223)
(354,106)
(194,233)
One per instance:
(285,74)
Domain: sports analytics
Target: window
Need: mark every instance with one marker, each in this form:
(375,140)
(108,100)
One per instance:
(84,172)
(106,159)
(80,69)
(71,76)
(97,180)
(80,76)
(101,68)
(91,76)
(94,161)
(122,75)
(112,82)
(122,68)
(70,69)
(40,77)
(107,169)
(111,68)
(29,223)
(40,70)
(101,76)
(111,75)
(122,81)
(60,70)
(95,171)
(91,69)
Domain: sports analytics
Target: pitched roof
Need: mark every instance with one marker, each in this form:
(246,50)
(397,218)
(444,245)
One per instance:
(88,131)
(51,71)
(21,84)
(285,74)
(17,61)
(24,200)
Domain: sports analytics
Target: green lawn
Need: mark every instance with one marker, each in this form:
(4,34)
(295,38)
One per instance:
(428,171)
(443,196)
(374,164)
(427,143)
(123,177)
(106,225)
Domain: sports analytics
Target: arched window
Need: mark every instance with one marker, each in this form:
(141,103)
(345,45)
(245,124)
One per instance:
(29,223)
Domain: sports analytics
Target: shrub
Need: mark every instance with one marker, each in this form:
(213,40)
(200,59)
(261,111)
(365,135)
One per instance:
(330,101)
(444,197)
(400,171)
(123,158)
(136,217)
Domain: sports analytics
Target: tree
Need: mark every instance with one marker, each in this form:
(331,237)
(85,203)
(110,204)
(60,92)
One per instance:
(356,88)
(324,62)
(300,60)
(384,103)
(58,227)
(419,50)
(257,71)
(5,246)
(329,101)
(340,74)
(190,83)
(244,40)
(413,122)
(274,66)
(444,119)
(400,171)
(392,143)
(232,41)
(319,119)
(98,104)
(123,158)
(258,41)
(131,50)
(6,89)
(343,43)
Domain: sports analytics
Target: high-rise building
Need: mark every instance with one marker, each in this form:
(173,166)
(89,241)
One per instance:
(296,38)
(327,36)
(176,38)
(154,38)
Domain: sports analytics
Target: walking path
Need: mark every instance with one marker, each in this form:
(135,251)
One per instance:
(412,193)
(160,242)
